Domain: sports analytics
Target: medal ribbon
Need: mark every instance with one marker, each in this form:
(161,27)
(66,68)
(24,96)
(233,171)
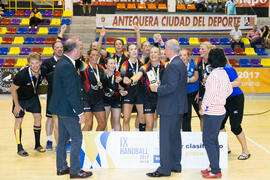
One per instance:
(32,80)
(95,74)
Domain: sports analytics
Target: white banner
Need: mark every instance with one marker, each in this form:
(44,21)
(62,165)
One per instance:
(173,23)
(141,150)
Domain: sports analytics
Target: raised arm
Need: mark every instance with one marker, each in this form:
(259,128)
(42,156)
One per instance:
(138,37)
(99,44)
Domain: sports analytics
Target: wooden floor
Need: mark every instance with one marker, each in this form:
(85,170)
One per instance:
(42,166)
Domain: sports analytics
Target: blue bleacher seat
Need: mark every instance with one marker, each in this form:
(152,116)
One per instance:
(4,50)
(9,13)
(29,40)
(183,41)
(261,51)
(224,41)
(65,21)
(151,40)
(244,63)
(103,40)
(53,31)
(22,30)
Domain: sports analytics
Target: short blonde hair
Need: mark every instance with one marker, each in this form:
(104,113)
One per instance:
(33,55)
(208,45)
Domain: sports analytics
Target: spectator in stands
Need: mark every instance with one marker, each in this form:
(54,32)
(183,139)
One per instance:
(35,18)
(212,5)
(230,7)
(221,4)
(255,36)
(84,7)
(265,35)
(201,4)
(236,36)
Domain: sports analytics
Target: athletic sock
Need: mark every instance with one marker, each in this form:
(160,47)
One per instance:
(18,136)
(37,130)
(142,126)
(49,138)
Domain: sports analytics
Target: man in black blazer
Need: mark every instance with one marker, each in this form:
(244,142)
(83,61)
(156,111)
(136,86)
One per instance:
(66,103)
(172,104)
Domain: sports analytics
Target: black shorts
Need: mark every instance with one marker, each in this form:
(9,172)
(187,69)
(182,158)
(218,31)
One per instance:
(149,106)
(96,107)
(30,105)
(86,1)
(114,103)
(134,96)
(234,109)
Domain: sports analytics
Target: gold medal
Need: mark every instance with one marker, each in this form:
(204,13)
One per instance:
(99,83)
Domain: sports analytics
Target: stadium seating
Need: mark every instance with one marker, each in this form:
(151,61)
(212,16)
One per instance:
(103,40)
(162,7)
(228,51)
(181,7)
(3,30)
(110,40)
(53,30)
(151,6)
(14,51)
(224,41)
(203,39)
(50,40)
(40,40)
(9,62)
(67,14)
(244,63)
(5,21)
(265,62)
(29,40)
(21,62)
(131,41)
(32,31)
(65,21)
(239,51)
(255,63)
(250,52)
(15,21)
(234,62)
(196,51)
(214,41)
(47,51)
(42,30)
(25,51)
(27,13)
(18,40)
(57,13)
(55,22)
(261,52)
(22,30)
(1,39)
(111,50)
(25,22)
(194,41)
(191,7)
(131,6)
(7,40)
(121,6)
(47,13)
(37,50)
(4,50)
(19,13)
(246,41)
(141,7)
(9,13)
(183,41)
(11,30)
(2,61)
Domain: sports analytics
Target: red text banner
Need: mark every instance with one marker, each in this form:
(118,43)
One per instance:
(252,3)
(173,23)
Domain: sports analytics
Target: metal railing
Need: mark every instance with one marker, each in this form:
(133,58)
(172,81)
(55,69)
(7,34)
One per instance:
(50,3)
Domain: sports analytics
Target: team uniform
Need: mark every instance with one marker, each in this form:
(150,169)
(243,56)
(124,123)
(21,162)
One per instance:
(50,66)
(93,80)
(112,96)
(234,104)
(203,70)
(119,60)
(27,92)
(150,98)
(192,90)
(144,60)
(135,90)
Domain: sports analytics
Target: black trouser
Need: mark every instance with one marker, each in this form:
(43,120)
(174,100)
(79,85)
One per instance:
(240,42)
(200,6)
(186,124)
(234,109)
(34,21)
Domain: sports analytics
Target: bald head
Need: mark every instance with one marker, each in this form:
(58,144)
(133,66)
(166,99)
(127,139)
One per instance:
(172,48)
(72,48)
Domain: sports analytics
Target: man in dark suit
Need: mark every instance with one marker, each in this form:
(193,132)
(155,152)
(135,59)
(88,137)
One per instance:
(66,103)
(172,104)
